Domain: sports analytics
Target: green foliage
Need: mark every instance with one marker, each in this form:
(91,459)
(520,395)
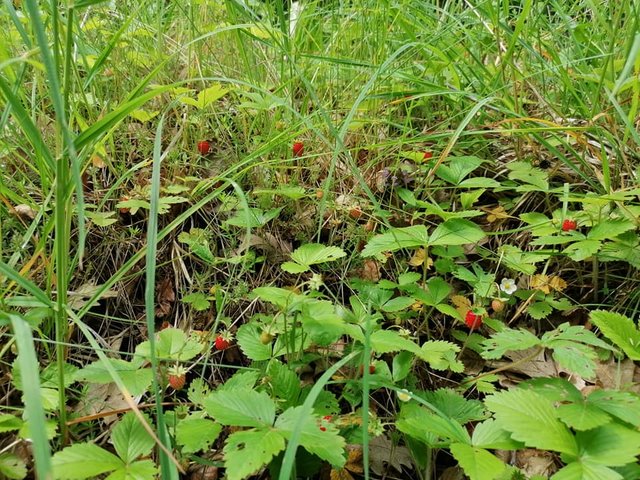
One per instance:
(311,254)
(620,329)
(87,460)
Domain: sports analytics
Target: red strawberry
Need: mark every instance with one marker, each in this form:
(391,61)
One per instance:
(427,155)
(298,149)
(473,320)
(223,341)
(204,147)
(569,225)
(177,377)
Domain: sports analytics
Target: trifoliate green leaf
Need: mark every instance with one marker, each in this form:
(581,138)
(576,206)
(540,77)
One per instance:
(532,420)
(195,434)
(386,341)
(456,231)
(241,408)
(83,460)
(140,470)
(508,340)
(314,253)
(622,405)
(441,355)
(417,422)
(326,443)
(130,439)
(477,463)
(246,452)
(12,466)
(612,445)
(621,330)
(396,239)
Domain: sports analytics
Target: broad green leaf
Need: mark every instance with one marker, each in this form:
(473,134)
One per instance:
(140,470)
(281,297)
(198,241)
(206,97)
(83,460)
(626,248)
(385,341)
(401,367)
(135,378)
(198,301)
(396,239)
(9,423)
(539,310)
(321,321)
(457,168)
(454,405)
(575,357)
(582,415)
(489,434)
(327,444)
(314,253)
(623,405)
(241,408)
(418,422)
(582,250)
(172,344)
(294,268)
(621,330)
(246,452)
(254,218)
(284,383)
(12,466)
(456,231)
(101,219)
(441,355)
(195,434)
(479,182)
(586,470)
(539,224)
(477,463)
(515,259)
(532,420)
(397,304)
(508,340)
(610,229)
(130,439)
(241,380)
(612,445)
(524,172)
(143,115)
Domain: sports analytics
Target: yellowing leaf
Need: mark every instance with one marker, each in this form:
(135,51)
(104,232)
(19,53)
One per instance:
(419,258)
(462,304)
(557,283)
(495,214)
(540,282)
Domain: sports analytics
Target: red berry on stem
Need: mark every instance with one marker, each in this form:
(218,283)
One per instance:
(177,381)
(298,149)
(473,320)
(223,342)
(569,225)
(204,147)
(427,155)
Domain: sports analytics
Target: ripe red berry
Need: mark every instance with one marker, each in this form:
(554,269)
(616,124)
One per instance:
(223,342)
(323,429)
(569,225)
(327,418)
(427,155)
(177,381)
(355,213)
(204,147)
(177,377)
(298,149)
(473,320)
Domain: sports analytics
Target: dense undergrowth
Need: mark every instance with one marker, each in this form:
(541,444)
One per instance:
(366,239)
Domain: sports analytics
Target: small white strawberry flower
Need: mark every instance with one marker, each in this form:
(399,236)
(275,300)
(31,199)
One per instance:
(508,286)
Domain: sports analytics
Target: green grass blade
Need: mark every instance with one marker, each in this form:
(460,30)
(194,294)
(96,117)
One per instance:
(168,469)
(32,395)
